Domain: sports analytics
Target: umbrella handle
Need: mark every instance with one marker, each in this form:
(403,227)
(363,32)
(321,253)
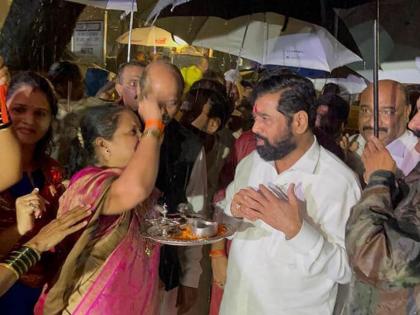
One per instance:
(243,42)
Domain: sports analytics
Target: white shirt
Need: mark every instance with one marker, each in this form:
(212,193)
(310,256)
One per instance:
(403,151)
(268,274)
(196,193)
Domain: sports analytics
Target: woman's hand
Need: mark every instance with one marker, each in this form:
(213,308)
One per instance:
(28,208)
(148,105)
(149,109)
(4,73)
(55,231)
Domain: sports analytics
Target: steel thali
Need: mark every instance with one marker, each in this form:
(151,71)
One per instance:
(154,233)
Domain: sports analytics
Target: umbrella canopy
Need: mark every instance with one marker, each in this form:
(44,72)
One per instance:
(399,22)
(270,38)
(151,36)
(123,5)
(352,84)
(319,12)
(406,72)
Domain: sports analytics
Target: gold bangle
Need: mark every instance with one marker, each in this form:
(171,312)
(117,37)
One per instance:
(152,132)
(22,259)
(11,269)
(34,253)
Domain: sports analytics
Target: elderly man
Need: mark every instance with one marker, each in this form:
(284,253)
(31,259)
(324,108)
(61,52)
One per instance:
(383,234)
(127,81)
(288,255)
(394,112)
(182,178)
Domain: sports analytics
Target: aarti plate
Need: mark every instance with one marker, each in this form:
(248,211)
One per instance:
(153,232)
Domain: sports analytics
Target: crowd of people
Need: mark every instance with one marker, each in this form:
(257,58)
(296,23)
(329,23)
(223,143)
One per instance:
(328,222)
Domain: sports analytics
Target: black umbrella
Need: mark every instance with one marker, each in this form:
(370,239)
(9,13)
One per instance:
(319,12)
(400,19)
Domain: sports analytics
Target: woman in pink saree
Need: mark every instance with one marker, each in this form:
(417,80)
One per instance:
(108,268)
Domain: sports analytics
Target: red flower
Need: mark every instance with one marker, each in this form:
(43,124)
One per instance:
(55,175)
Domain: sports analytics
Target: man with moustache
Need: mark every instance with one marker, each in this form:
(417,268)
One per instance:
(294,196)
(383,235)
(394,112)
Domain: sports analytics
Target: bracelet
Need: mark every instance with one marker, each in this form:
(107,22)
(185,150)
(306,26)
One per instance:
(154,123)
(11,269)
(4,126)
(217,253)
(21,260)
(4,117)
(152,132)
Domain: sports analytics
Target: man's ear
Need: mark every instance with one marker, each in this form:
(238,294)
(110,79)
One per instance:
(407,112)
(213,125)
(300,122)
(119,89)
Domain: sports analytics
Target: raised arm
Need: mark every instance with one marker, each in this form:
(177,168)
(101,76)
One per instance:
(10,155)
(138,179)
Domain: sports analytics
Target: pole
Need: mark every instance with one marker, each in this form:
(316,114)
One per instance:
(243,42)
(105,36)
(130,30)
(375,72)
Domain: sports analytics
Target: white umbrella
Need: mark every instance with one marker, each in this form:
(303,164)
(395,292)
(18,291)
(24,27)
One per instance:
(268,38)
(123,5)
(129,6)
(407,72)
(152,36)
(352,84)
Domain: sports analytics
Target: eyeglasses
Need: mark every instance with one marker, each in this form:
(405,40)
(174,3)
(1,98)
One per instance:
(384,113)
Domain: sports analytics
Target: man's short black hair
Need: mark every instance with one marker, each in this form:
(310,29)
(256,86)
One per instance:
(336,104)
(297,94)
(132,63)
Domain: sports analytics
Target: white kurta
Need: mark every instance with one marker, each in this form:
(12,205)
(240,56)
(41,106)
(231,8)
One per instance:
(268,274)
(403,151)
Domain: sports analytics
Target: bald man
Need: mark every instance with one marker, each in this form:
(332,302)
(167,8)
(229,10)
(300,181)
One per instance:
(383,231)
(182,178)
(394,112)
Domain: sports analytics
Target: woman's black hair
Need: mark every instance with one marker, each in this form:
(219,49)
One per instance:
(99,121)
(39,83)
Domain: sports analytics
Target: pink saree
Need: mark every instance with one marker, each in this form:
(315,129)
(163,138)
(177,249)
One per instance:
(108,267)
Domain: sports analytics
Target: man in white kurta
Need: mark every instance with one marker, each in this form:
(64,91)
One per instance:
(288,256)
